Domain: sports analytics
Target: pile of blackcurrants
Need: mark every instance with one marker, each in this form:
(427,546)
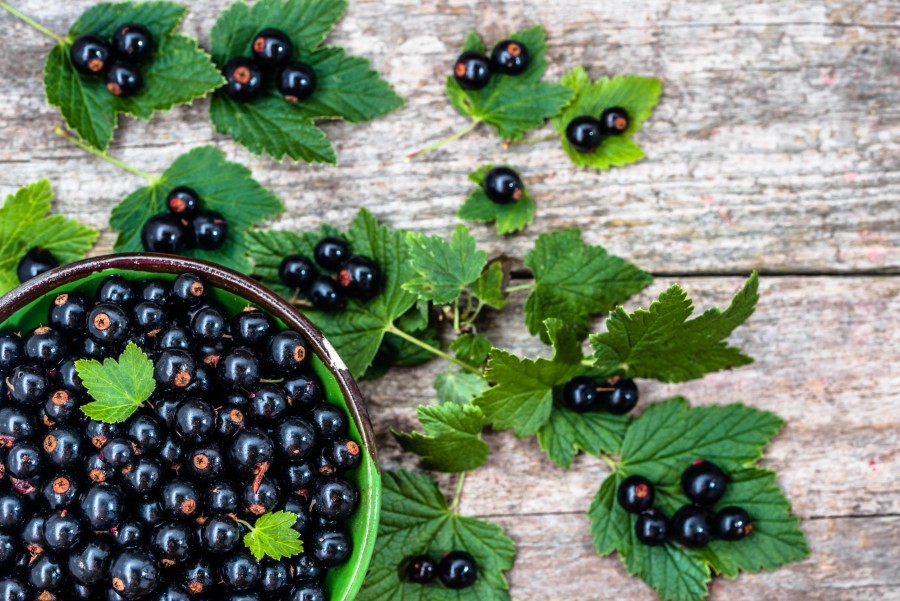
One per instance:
(586,133)
(617,395)
(357,276)
(186,225)
(503,185)
(473,70)
(158,505)
(272,61)
(693,525)
(117,63)
(456,570)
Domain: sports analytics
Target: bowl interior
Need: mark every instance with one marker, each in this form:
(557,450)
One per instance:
(343,582)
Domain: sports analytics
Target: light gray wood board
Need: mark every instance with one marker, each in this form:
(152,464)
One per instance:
(776,144)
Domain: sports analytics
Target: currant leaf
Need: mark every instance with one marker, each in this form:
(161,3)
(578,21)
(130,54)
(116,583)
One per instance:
(118,387)
(452,440)
(273,536)
(444,268)
(460,387)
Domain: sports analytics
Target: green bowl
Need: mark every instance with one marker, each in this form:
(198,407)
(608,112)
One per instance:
(25,308)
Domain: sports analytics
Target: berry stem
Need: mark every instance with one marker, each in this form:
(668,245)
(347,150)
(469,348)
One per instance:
(457,495)
(99,153)
(587,362)
(613,465)
(475,123)
(28,20)
(456,316)
(520,287)
(392,329)
(535,140)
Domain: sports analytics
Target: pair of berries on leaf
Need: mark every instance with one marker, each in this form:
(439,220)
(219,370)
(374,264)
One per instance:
(617,395)
(473,70)
(186,225)
(272,61)
(456,570)
(35,262)
(357,276)
(116,62)
(693,525)
(585,133)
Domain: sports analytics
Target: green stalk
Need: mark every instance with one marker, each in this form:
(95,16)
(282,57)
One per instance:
(520,287)
(29,21)
(457,495)
(392,329)
(99,153)
(445,141)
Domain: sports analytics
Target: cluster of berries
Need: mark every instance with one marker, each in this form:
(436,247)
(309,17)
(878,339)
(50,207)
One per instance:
(186,225)
(503,185)
(617,395)
(692,525)
(585,133)
(132,44)
(272,61)
(473,70)
(158,505)
(357,276)
(456,570)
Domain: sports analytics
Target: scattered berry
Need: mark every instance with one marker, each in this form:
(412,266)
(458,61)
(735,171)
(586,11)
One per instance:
(503,185)
(472,70)
(636,494)
(622,398)
(691,527)
(330,253)
(244,79)
(733,523)
(360,277)
(421,569)
(509,57)
(134,42)
(614,121)
(90,54)
(652,527)
(184,202)
(163,234)
(325,294)
(123,79)
(580,394)
(457,570)
(584,134)
(35,262)
(296,271)
(703,482)
(210,230)
(296,82)
(272,48)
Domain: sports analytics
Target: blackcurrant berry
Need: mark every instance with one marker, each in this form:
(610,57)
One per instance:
(614,121)
(229,419)
(472,70)
(457,570)
(183,202)
(24,460)
(652,527)
(220,535)
(503,185)
(298,477)
(171,452)
(117,452)
(249,449)
(134,42)
(89,564)
(63,446)
(108,324)
(103,506)
(307,592)
(360,277)
(509,57)
(326,295)
(199,576)
(145,432)
(210,230)
(205,463)
(286,351)
(45,346)
(251,327)
(11,352)
(68,380)
(691,527)
(148,317)
(331,547)
(134,573)
(35,262)
(580,394)
(12,511)
(619,395)
(163,233)
(584,134)
(261,496)
(296,271)
(306,569)
(274,576)
(67,313)
(116,290)
(272,48)
(171,592)
(59,491)
(188,290)
(172,542)
(304,390)
(421,569)
(636,494)
(149,513)
(239,369)
(244,79)
(127,533)
(239,571)
(90,54)
(208,325)
(179,498)
(268,404)
(155,291)
(46,573)
(333,498)
(222,498)
(703,482)
(331,252)
(174,337)
(99,432)
(63,531)
(32,534)
(343,454)
(329,422)
(175,368)
(296,82)
(123,79)
(733,523)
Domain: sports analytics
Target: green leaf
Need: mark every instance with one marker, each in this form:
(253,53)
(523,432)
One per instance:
(568,432)
(273,535)
(444,269)
(659,445)
(460,387)
(574,281)
(225,187)
(117,387)
(471,348)
(513,105)
(178,73)
(267,248)
(488,288)
(24,224)
(637,95)
(452,440)
(347,87)
(508,218)
(661,343)
(415,519)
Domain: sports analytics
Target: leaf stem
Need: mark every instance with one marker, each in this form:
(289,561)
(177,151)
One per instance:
(457,495)
(467,129)
(587,361)
(456,316)
(613,465)
(243,523)
(28,20)
(507,143)
(99,153)
(431,349)
(520,287)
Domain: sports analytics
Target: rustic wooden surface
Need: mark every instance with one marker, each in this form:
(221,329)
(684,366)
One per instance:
(776,147)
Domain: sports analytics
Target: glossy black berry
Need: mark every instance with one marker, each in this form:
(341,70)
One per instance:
(220,535)
(239,571)
(210,230)
(584,134)
(360,277)
(298,477)
(103,506)
(59,491)
(329,422)
(272,48)
(149,513)
(67,313)
(123,79)
(249,449)
(222,498)
(509,57)
(244,79)
(117,452)
(108,324)
(35,262)
(326,295)
(11,352)
(179,498)
(274,576)
(134,42)
(145,432)
(116,290)
(63,531)
(457,570)
(143,477)
(208,325)
(188,290)
(204,463)
(421,569)
(733,523)
(134,573)
(127,533)
(183,202)
(343,454)
(330,253)
(614,121)
(174,337)
(331,547)
(703,482)
(172,542)
(618,395)
(268,404)
(171,452)
(251,327)
(296,271)
(307,592)
(46,573)
(580,394)
(16,425)
(304,390)
(12,511)
(652,528)
(12,589)
(503,185)
(691,526)
(306,569)
(239,369)
(163,233)
(24,460)
(63,446)
(32,534)
(636,494)
(333,498)
(472,70)
(90,54)
(229,419)
(171,592)
(296,82)
(261,496)
(286,351)
(28,385)
(175,368)
(89,564)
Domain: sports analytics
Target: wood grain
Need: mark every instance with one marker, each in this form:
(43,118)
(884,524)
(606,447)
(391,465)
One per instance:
(776,146)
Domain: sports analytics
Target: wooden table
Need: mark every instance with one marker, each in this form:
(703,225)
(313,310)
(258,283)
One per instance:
(776,147)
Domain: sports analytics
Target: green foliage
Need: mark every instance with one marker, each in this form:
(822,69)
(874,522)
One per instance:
(117,387)
(508,218)
(452,440)
(444,269)
(273,536)
(458,386)
(471,348)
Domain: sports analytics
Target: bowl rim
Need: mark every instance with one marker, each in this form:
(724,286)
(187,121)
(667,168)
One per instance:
(255,293)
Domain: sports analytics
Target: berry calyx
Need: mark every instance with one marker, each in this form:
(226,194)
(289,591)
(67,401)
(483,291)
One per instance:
(421,569)
(691,527)
(509,57)
(733,523)
(163,234)
(472,70)
(360,277)
(210,230)
(134,42)
(503,185)
(614,121)
(35,262)
(90,54)
(636,494)
(457,570)
(584,134)
(123,79)
(183,201)
(580,394)
(652,527)
(619,395)
(243,79)
(296,271)
(272,48)
(703,482)
(296,82)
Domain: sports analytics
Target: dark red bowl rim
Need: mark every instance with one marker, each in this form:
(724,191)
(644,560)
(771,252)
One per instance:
(219,277)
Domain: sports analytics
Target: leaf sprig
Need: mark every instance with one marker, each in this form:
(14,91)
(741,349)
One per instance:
(118,387)
(273,535)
